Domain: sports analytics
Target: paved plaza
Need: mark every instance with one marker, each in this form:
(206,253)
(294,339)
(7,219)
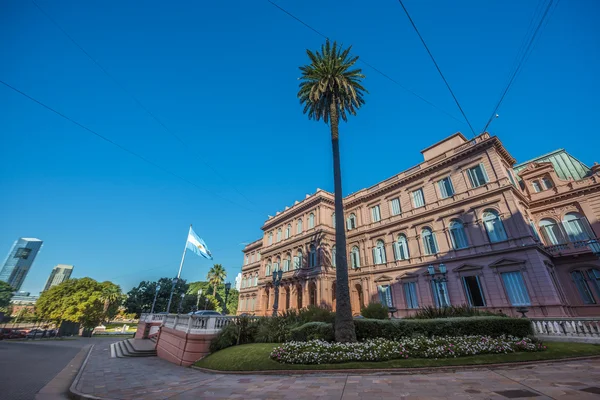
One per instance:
(153,378)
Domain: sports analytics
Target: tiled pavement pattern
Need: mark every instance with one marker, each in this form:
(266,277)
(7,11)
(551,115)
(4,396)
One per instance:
(153,378)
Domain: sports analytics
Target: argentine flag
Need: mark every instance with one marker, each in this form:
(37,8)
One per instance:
(197,245)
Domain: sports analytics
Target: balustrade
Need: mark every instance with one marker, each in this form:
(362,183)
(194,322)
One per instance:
(567,327)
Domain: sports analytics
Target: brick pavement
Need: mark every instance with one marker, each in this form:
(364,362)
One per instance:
(153,378)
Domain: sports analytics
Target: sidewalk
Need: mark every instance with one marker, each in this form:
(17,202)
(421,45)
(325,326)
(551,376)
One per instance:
(153,378)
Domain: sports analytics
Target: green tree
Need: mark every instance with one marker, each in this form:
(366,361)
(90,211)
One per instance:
(331,88)
(139,299)
(6,292)
(112,298)
(216,276)
(218,301)
(75,300)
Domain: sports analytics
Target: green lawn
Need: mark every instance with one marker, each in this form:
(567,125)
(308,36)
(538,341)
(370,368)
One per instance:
(255,357)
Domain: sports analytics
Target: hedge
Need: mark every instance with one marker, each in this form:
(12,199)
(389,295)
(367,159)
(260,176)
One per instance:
(465,326)
(313,330)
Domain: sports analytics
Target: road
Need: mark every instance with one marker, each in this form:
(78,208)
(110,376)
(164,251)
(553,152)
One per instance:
(27,366)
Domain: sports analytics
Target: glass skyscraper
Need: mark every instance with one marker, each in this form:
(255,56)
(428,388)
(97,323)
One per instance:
(19,260)
(59,274)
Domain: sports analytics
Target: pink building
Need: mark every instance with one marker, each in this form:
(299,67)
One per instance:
(465,226)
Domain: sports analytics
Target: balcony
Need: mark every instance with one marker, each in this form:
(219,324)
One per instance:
(575,247)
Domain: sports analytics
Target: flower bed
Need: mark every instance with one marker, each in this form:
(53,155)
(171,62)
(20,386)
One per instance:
(321,352)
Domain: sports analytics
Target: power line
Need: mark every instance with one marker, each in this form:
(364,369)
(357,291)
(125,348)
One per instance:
(524,56)
(436,66)
(137,101)
(367,64)
(106,139)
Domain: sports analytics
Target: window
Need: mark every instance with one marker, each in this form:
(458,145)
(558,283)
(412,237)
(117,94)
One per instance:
(534,230)
(385,296)
(429,242)
(244,282)
(270,238)
(355,257)
(351,222)
(268,269)
(298,260)
(551,232)
(547,182)
(252,258)
(594,276)
(312,260)
(446,188)
(299,226)
(577,227)
(288,231)
(276,264)
(379,253)
(311,221)
(477,176)
(474,291)
(582,287)
(375,214)
(440,294)
(410,294)
(256,279)
(395,207)
(493,226)
(287,262)
(457,235)
(246,261)
(258,256)
(536,186)
(417,198)
(401,248)
(510,177)
(333,262)
(515,288)
(279,235)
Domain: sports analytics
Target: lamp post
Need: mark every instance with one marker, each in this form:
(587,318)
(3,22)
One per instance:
(198,299)
(438,279)
(227,289)
(154,301)
(175,280)
(180,303)
(276,282)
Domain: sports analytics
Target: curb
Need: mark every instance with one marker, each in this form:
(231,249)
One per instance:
(75,394)
(397,371)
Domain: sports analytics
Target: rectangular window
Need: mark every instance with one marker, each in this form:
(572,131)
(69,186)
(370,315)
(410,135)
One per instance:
(385,295)
(582,287)
(296,262)
(440,294)
(474,291)
(515,288)
(417,198)
(510,177)
(536,186)
(477,175)
(446,188)
(594,276)
(375,214)
(410,294)
(395,206)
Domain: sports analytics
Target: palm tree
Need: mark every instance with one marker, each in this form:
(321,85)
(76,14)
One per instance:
(216,276)
(110,294)
(329,89)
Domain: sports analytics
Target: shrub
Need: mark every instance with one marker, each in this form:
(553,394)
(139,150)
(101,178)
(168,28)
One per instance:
(274,329)
(313,330)
(316,314)
(320,352)
(375,311)
(241,331)
(464,310)
(485,326)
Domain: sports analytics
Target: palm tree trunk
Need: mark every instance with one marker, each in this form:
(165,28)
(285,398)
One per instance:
(344,324)
(215,290)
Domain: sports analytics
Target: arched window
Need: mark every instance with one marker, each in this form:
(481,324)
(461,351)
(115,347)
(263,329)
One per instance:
(256,279)
(311,221)
(551,232)
(429,242)
(379,253)
(268,269)
(577,227)
(536,186)
(401,248)
(493,226)
(333,220)
(277,264)
(286,262)
(457,235)
(299,226)
(288,231)
(279,234)
(244,282)
(298,260)
(351,221)
(270,238)
(312,260)
(333,255)
(355,257)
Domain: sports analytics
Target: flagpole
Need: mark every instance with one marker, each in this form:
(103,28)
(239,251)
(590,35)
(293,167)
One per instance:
(176,280)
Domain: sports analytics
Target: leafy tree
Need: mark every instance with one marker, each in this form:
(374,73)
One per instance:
(76,300)
(331,88)
(112,298)
(219,299)
(216,276)
(6,292)
(139,299)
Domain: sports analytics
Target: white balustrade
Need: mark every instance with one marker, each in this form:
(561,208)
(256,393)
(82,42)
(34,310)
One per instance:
(199,324)
(567,327)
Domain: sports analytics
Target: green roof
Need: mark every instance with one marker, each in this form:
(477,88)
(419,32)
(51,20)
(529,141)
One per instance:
(565,165)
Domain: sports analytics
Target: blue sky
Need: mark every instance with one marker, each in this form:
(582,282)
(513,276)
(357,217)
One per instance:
(223,77)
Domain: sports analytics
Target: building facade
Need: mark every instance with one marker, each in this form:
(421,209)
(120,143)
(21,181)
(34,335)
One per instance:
(59,274)
(465,226)
(19,260)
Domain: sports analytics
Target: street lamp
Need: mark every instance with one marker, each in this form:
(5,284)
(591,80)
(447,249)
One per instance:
(438,280)
(198,299)
(180,303)
(154,301)
(227,289)
(175,280)
(276,282)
